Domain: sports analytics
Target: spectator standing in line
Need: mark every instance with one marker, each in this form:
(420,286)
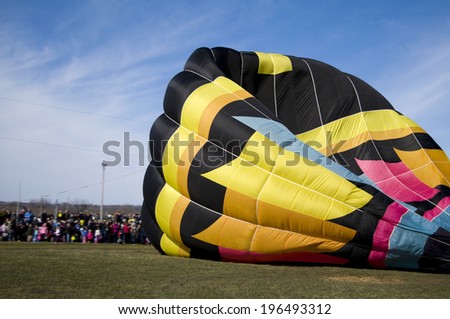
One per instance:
(90,236)
(35,233)
(133,233)
(126,232)
(28,216)
(57,234)
(30,232)
(43,231)
(115,231)
(84,233)
(97,235)
(4,231)
(69,232)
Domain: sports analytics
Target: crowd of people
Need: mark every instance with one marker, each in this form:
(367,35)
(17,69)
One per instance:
(65,226)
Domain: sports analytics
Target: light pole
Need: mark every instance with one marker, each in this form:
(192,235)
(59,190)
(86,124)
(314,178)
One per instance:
(104,164)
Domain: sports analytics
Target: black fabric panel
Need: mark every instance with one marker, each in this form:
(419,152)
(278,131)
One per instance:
(248,107)
(201,189)
(371,150)
(444,190)
(286,97)
(196,219)
(367,151)
(250,65)
(230,62)
(426,141)
(366,187)
(365,219)
(228,132)
(436,253)
(356,255)
(153,184)
(335,93)
(151,229)
(365,222)
(161,131)
(178,90)
(370,98)
(304,110)
(428,204)
(284,92)
(210,157)
(202,61)
(264,91)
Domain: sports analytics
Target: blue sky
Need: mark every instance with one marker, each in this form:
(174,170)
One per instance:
(76,74)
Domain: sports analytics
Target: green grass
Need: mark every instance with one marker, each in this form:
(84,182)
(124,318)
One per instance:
(46,270)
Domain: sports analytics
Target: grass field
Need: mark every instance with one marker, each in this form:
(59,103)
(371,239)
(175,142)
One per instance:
(46,270)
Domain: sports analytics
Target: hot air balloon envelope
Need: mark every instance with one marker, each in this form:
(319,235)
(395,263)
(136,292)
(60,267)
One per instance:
(267,158)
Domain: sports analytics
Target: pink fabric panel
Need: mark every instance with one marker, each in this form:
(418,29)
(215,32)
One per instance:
(396,180)
(245,256)
(383,232)
(442,205)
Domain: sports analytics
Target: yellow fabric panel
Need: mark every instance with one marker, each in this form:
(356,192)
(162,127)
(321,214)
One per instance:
(444,168)
(421,163)
(175,220)
(228,232)
(307,188)
(351,131)
(185,163)
(281,218)
(437,156)
(270,240)
(345,145)
(301,199)
(273,63)
(165,203)
(232,233)
(176,146)
(169,210)
(240,176)
(239,206)
(261,151)
(247,173)
(207,117)
(210,97)
(311,189)
(171,248)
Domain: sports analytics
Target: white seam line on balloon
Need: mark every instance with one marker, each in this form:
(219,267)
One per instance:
(242,69)
(274,83)
(318,107)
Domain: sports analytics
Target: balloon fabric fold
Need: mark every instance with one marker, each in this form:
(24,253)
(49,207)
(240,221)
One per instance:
(268,158)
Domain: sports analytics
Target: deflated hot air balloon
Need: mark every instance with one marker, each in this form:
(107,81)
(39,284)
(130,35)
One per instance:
(267,158)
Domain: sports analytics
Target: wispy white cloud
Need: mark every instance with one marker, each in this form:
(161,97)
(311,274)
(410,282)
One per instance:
(417,83)
(117,60)
(93,64)
(424,81)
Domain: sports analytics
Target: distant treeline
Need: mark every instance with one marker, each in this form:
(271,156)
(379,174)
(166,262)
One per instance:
(76,206)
